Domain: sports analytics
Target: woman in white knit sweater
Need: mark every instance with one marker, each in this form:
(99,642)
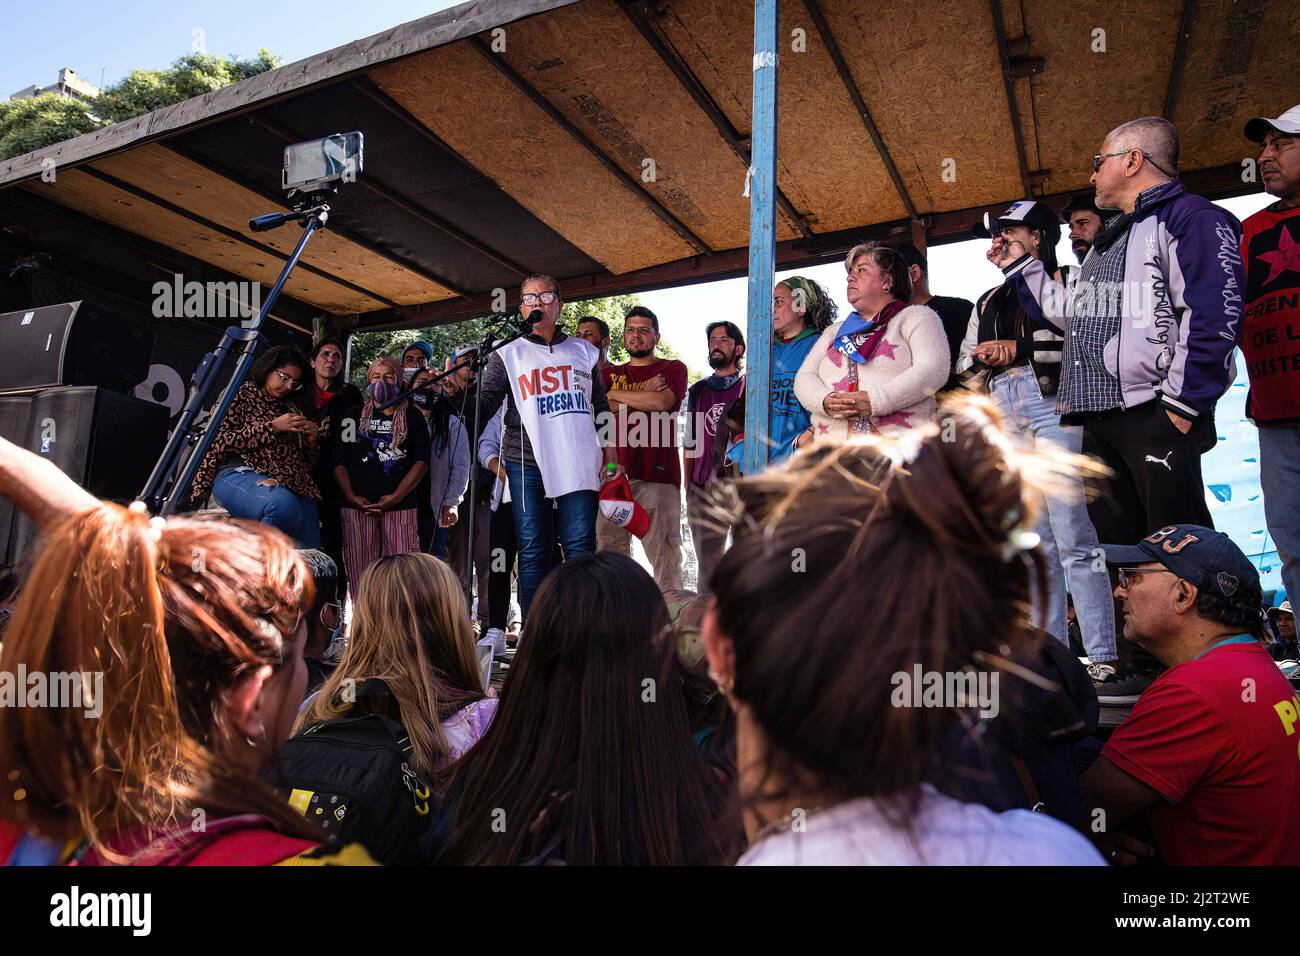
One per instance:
(878,369)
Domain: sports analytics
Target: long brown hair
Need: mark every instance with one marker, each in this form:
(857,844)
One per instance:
(863,560)
(172,614)
(590,757)
(410,628)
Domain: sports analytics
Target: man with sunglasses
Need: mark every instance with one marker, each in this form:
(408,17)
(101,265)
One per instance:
(1209,753)
(1150,329)
(554,462)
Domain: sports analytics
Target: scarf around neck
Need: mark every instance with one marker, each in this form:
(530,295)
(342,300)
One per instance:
(870,331)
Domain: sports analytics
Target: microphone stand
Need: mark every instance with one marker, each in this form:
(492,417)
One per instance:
(478,363)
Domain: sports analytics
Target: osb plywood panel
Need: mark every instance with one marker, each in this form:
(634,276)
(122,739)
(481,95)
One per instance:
(1081,95)
(1243,61)
(176,179)
(827,164)
(930,73)
(614,87)
(84,193)
(467,101)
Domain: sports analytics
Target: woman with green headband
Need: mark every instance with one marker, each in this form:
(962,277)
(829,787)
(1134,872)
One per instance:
(801,310)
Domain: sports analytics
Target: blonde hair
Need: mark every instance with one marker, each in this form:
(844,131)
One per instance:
(410,628)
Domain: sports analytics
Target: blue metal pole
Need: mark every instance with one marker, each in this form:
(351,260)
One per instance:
(762,238)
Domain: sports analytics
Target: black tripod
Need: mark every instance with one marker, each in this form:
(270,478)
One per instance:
(170,480)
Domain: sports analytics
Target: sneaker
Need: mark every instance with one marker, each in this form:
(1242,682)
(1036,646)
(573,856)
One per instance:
(1124,691)
(1101,672)
(497,639)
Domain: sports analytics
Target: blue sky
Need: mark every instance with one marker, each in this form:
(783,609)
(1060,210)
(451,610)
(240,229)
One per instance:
(41,38)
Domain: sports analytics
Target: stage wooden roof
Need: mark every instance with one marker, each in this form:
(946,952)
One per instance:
(607,143)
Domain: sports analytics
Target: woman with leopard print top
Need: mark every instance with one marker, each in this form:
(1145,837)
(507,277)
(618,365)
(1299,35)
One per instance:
(259,466)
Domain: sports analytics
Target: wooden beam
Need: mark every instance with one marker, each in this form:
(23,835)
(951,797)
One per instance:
(1009,86)
(1180,57)
(216,227)
(352,59)
(280,202)
(638,11)
(1220,182)
(152,254)
(370,184)
(860,104)
(581,138)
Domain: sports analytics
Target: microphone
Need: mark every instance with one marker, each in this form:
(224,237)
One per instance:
(533,318)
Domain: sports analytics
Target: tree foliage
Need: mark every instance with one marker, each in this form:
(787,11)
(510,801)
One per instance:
(37,121)
(367,346)
(194,74)
(34,122)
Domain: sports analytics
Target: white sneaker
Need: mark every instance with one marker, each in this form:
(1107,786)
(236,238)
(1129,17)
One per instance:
(497,639)
(1101,673)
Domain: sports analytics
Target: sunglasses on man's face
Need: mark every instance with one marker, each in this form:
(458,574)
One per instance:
(1126,575)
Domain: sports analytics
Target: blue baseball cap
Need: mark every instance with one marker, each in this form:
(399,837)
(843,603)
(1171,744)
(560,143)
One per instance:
(1205,557)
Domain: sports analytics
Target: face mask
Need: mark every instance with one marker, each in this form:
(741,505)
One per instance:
(382,391)
(408,374)
(423,399)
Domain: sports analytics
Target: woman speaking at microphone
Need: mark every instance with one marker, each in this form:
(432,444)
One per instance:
(380,455)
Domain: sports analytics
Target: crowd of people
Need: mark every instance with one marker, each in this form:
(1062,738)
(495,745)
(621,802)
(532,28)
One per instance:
(876,664)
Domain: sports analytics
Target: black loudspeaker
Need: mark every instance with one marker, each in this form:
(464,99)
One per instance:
(75,343)
(105,441)
(14,412)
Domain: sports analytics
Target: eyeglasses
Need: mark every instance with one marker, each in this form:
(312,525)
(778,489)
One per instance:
(289,380)
(532,298)
(1102,157)
(1126,574)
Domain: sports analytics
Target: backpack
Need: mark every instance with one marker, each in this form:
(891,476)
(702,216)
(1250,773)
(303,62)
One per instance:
(353,776)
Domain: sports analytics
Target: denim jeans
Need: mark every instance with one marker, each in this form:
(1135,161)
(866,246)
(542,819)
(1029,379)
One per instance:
(1279,476)
(238,491)
(537,525)
(1069,540)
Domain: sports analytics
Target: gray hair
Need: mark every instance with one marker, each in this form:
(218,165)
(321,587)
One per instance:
(1153,135)
(542,278)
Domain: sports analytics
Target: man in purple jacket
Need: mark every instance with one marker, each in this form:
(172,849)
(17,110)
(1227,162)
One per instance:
(1149,332)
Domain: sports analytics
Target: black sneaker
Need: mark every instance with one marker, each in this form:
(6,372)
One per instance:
(1124,691)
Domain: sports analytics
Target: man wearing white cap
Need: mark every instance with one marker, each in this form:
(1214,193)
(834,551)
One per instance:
(1270,334)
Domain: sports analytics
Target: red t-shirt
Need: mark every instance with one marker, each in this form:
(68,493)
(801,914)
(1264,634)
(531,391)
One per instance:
(647,442)
(1219,738)
(1270,335)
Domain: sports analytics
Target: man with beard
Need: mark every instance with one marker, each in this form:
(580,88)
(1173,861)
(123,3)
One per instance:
(644,396)
(1270,335)
(715,416)
(1084,219)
